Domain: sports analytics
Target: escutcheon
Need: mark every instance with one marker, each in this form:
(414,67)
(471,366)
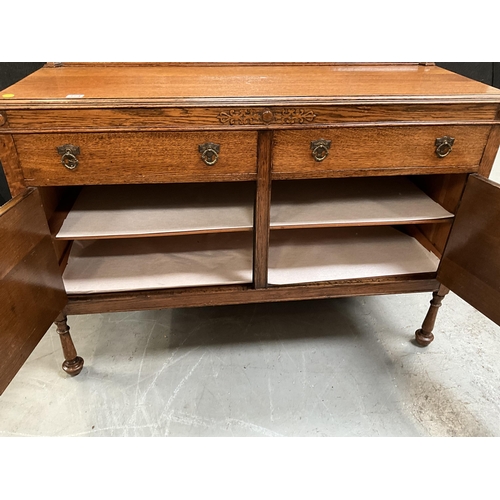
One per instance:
(320,149)
(68,154)
(209,152)
(444,145)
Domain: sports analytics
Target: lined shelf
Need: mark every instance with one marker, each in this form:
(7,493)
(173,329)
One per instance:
(115,265)
(213,243)
(350,202)
(325,254)
(152,210)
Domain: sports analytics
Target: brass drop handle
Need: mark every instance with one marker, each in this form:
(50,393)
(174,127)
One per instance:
(444,145)
(209,152)
(320,149)
(68,154)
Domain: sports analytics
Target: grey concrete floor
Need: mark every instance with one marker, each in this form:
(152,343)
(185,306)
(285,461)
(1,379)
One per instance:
(342,367)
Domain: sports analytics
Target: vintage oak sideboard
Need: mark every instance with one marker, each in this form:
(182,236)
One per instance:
(147,186)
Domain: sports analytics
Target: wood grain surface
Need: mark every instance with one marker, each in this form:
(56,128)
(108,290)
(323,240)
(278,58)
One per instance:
(262,211)
(31,291)
(123,158)
(10,164)
(446,190)
(490,151)
(112,85)
(246,294)
(377,148)
(28,120)
(471,262)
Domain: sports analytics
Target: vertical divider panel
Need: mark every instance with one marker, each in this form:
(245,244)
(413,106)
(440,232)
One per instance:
(11,167)
(490,151)
(262,209)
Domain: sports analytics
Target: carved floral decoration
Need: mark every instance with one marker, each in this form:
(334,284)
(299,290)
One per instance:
(240,117)
(254,117)
(294,116)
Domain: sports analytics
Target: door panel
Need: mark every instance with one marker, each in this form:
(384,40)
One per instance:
(31,288)
(470,266)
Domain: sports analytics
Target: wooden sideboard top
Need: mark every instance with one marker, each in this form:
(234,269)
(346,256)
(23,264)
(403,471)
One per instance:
(176,84)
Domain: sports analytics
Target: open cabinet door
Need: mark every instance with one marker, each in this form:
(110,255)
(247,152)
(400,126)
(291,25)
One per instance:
(31,288)
(470,266)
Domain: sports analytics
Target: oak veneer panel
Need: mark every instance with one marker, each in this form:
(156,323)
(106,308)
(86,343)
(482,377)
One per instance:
(471,262)
(310,255)
(31,291)
(447,191)
(151,210)
(10,164)
(262,210)
(158,118)
(151,263)
(121,158)
(243,82)
(245,294)
(490,151)
(444,189)
(361,201)
(377,148)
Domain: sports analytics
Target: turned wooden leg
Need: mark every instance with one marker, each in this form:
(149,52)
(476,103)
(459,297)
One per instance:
(73,364)
(424,335)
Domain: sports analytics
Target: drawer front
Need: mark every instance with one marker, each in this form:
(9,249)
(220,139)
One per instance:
(377,150)
(123,158)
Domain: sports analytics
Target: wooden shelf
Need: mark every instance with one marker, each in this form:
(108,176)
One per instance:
(310,255)
(115,265)
(153,210)
(352,202)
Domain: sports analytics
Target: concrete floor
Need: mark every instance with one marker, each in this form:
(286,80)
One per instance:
(343,367)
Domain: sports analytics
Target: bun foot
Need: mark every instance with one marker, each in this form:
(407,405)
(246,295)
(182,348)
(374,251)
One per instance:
(73,367)
(423,338)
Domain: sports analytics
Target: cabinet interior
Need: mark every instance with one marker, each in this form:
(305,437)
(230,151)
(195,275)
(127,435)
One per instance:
(128,211)
(139,237)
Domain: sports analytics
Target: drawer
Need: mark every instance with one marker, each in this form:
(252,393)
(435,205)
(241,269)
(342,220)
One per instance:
(145,157)
(374,150)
